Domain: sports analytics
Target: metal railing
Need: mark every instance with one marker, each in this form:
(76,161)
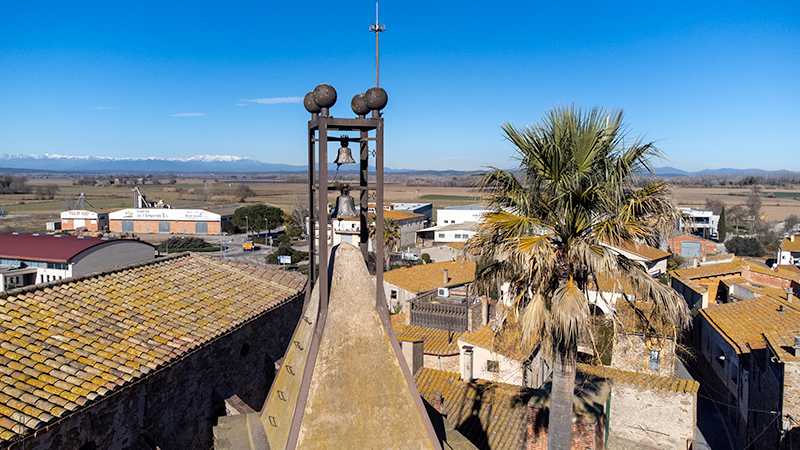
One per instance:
(439,316)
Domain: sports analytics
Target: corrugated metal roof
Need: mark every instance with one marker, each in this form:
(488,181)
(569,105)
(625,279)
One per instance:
(48,247)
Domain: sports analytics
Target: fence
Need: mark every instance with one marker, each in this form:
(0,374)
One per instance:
(440,316)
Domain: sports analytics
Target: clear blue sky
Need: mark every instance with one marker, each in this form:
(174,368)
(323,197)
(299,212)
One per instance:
(716,84)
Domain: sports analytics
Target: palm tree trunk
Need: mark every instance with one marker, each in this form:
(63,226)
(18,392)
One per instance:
(559,429)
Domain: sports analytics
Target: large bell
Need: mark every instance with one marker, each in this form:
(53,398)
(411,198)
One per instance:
(345,207)
(345,157)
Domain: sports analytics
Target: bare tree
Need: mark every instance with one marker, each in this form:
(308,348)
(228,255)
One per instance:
(208,190)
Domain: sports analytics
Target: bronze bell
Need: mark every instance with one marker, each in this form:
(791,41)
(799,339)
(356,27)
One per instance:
(345,157)
(345,207)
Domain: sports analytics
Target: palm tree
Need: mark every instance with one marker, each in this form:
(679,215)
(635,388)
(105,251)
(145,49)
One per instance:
(391,236)
(580,183)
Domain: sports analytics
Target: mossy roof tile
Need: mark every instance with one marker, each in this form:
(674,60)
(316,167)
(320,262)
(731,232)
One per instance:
(64,346)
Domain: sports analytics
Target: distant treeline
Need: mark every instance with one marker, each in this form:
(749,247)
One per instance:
(774,179)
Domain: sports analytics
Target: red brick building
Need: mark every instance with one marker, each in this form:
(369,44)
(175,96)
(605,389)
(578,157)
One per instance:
(78,218)
(165,221)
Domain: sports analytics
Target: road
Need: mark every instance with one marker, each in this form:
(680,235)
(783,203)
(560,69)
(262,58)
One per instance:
(713,431)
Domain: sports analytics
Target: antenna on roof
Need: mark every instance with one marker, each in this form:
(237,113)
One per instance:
(376,28)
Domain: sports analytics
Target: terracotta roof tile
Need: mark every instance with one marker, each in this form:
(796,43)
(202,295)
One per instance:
(490,415)
(426,277)
(643,250)
(436,342)
(710,270)
(745,321)
(642,380)
(66,345)
(505,344)
(790,245)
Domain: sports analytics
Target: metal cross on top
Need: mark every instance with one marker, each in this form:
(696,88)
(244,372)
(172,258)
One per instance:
(376,28)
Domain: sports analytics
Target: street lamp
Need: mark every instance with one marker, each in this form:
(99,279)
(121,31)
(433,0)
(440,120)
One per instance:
(246,226)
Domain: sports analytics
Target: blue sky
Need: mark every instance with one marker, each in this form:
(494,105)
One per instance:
(715,84)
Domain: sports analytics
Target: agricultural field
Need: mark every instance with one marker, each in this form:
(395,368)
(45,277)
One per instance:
(777,204)
(29,214)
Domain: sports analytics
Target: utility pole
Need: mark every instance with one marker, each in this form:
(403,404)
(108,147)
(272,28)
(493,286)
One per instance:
(376,28)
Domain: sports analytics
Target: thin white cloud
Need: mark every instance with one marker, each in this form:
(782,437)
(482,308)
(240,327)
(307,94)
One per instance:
(274,100)
(241,104)
(187,115)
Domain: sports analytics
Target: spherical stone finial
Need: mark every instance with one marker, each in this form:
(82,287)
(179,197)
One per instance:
(325,95)
(376,98)
(359,104)
(310,104)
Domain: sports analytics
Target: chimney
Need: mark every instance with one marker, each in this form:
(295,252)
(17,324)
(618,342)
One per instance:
(791,238)
(789,295)
(484,311)
(412,352)
(466,365)
(437,402)
(797,345)
(694,262)
(445,277)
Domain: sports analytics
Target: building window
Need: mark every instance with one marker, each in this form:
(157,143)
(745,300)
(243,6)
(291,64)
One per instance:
(394,294)
(493,366)
(654,354)
(441,235)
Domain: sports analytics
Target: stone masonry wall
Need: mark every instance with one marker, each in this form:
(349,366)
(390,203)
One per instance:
(448,363)
(647,415)
(632,352)
(791,403)
(176,407)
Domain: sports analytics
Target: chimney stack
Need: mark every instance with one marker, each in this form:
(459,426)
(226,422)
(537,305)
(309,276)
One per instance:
(466,366)
(412,353)
(484,311)
(445,277)
(796,345)
(791,238)
(789,295)
(437,402)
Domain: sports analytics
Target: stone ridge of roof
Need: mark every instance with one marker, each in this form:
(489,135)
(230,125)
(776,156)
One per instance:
(426,277)
(747,320)
(70,344)
(642,380)
(490,415)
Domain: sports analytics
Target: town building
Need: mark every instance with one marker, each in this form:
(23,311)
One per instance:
(746,355)
(165,221)
(653,259)
(441,234)
(460,214)
(426,209)
(140,357)
(27,259)
(690,246)
(348,230)
(80,219)
(698,221)
(407,283)
(789,252)
(730,278)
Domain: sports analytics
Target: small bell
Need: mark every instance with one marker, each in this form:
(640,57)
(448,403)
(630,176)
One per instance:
(345,207)
(345,157)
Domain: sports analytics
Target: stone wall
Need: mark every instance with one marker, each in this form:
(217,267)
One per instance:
(632,352)
(176,407)
(651,417)
(448,363)
(765,392)
(791,403)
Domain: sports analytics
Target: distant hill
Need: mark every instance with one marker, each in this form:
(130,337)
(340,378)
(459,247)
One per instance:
(211,164)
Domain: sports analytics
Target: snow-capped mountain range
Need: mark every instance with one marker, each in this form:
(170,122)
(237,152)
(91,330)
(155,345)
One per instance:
(196,164)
